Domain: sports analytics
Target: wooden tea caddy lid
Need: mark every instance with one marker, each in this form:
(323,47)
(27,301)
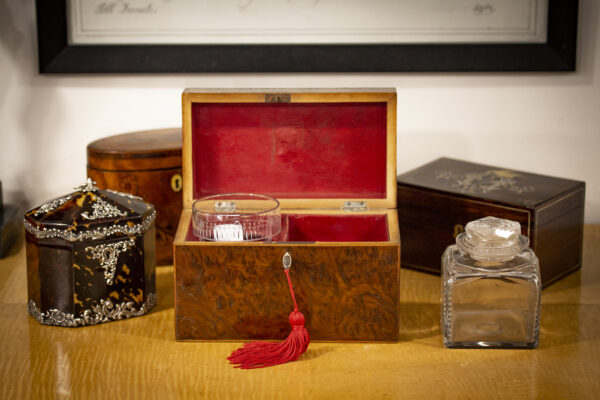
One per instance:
(338,169)
(152,149)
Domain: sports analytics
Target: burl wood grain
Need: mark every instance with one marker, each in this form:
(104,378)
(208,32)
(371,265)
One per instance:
(155,188)
(347,293)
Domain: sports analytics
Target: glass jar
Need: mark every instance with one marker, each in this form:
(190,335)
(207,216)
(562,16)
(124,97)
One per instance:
(491,288)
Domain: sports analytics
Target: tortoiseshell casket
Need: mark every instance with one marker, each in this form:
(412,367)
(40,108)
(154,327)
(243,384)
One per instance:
(90,258)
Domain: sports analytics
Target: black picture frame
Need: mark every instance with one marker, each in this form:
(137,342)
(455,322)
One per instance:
(56,55)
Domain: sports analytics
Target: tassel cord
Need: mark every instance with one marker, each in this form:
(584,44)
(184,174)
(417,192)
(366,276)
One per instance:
(287,273)
(266,357)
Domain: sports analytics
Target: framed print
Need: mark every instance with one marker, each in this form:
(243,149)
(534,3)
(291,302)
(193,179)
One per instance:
(129,36)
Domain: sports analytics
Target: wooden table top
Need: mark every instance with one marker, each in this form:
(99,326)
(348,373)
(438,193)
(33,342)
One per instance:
(139,358)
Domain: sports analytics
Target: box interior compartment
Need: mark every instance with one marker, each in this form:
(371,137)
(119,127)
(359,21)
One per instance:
(327,228)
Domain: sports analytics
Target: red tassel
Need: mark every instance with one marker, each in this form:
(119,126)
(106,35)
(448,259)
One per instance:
(267,354)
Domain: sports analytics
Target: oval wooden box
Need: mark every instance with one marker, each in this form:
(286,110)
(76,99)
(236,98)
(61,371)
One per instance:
(145,164)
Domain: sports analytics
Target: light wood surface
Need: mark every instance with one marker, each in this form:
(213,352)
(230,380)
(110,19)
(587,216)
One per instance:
(139,358)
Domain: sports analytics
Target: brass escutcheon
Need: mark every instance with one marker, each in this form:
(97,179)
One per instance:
(458,229)
(176,182)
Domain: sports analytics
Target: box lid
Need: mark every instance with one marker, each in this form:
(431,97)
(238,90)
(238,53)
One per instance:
(152,149)
(90,214)
(308,148)
(488,183)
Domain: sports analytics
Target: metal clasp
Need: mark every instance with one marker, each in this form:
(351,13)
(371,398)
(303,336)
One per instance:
(355,205)
(277,98)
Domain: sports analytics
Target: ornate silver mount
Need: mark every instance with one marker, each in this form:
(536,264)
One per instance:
(104,312)
(89,186)
(128,195)
(287,261)
(485,182)
(51,206)
(99,233)
(102,209)
(108,254)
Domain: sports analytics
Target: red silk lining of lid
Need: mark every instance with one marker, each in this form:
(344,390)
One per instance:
(290,150)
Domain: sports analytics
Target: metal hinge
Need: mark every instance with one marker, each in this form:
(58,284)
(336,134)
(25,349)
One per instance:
(225,206)
(277,98)
(355,205)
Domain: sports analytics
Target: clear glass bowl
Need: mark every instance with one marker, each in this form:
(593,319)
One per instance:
(236,217)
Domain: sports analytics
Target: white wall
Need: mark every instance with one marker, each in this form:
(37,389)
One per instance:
(541,122)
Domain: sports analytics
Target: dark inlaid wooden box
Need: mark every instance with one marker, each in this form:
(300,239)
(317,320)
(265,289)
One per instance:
(329,157)
(436,200)
(145,164)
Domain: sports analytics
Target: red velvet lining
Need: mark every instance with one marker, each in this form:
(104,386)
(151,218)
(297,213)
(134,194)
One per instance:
(328,228)
(336,228)
(290,150)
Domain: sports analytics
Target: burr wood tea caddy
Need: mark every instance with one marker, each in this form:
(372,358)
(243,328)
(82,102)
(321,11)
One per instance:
(329,158)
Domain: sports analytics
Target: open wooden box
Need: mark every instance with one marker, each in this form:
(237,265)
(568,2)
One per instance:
(329,157)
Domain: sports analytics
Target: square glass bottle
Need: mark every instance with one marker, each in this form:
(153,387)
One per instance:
(491,288)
